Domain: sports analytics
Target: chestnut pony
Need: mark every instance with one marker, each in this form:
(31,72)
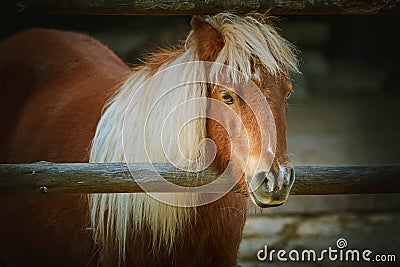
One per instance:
(68,98)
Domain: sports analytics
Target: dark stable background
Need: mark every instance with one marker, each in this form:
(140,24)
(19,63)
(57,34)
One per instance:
(344,111)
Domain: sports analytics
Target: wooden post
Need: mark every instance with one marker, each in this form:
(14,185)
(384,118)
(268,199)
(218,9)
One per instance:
(81,178)
(191,7)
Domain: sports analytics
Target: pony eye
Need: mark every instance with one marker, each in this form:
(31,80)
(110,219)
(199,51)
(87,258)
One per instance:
(288,95)
(227,98)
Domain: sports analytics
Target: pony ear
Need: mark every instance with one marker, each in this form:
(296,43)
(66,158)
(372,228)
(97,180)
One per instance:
(209,40)
(197,22)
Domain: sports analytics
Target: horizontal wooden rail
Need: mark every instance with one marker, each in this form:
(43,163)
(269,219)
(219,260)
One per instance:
(51,178)
(190,7)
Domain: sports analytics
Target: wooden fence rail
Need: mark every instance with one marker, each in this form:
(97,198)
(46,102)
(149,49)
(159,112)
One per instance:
(191,7)
(51,178)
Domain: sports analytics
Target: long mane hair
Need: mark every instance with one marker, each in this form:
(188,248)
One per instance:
(130,128)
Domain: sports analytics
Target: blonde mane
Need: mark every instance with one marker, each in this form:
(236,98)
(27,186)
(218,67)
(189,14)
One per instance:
(131,126)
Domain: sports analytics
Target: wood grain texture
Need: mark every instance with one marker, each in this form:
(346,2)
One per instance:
(191,7)
(51,178)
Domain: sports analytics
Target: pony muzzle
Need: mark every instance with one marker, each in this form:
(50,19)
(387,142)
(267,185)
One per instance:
(269,189)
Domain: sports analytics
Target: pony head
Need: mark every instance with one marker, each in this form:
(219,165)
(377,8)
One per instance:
(255,85)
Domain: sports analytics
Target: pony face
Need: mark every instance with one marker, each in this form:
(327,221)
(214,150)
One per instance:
(272,185)
(266,173)
(252,140)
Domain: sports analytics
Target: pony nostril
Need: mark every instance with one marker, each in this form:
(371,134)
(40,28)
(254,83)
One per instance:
(262,180)
(291,177)
(268,185)
(269,181)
